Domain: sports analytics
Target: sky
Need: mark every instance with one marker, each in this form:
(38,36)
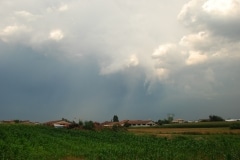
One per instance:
(138,59)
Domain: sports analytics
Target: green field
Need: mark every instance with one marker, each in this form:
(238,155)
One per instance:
(40,142)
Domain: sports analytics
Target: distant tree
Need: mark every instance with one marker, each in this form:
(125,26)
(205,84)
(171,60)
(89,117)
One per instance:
(88,125)
(164,121)
(80,123)
(66,120)
(115,118)
(170,117)
(214,118)
(73,125)
(17,121)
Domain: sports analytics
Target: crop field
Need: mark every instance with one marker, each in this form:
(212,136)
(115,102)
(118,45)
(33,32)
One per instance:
(18,142)
(170,132)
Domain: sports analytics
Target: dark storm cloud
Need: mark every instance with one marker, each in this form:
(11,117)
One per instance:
(30,83)
(41,87)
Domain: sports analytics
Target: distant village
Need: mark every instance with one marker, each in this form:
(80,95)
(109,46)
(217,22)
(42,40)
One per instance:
(64,123)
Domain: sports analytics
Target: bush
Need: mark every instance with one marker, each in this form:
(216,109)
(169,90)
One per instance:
(126,124)
(214,118)
(235,126)
(89,125)
(118,128)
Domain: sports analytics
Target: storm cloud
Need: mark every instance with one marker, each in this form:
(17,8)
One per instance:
(91,60)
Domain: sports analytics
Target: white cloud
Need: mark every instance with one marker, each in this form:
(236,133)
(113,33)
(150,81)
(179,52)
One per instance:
(201,39)
(58,8)
(112,68)
(163,50)
(63,7)
(132,61)
(217,17)
(27,15)
(189,13)
(196,58)
(56,35)
(194,63)
(162,73)
(120,65)
(222,7)
(14,33)
(167,58)
(10,30)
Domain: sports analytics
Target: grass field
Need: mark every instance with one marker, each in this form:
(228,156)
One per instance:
(25,142)
(205,128)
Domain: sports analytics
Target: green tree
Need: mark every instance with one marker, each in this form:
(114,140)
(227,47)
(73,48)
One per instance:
(115,118)
(17,121)
(80,123)
(88,125)
(164,121)
(170,117)
(214,118)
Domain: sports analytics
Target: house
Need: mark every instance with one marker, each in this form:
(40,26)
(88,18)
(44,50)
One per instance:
(8,122)
(232,120)
(139,123)
(109,124)
(27,122)
(178,121)
(58,123)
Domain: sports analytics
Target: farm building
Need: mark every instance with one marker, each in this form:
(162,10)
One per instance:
(140,123)
(178,121)
(109,124)
(232,120)
(130,123)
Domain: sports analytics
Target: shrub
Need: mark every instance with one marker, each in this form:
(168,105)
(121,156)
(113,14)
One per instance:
(118,128)
(88,125)
(235,126)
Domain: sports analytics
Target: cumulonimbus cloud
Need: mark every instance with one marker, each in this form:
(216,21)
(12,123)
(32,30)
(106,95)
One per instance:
(206,46)
(116,51)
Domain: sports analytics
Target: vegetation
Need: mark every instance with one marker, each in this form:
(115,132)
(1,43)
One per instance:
(115,118)
(166,121)
(162,122)
(41,142)
(235,125)
(88,125)
(214,118)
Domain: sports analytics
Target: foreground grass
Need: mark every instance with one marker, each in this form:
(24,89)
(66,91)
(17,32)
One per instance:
(39,142)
